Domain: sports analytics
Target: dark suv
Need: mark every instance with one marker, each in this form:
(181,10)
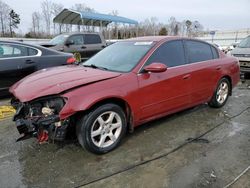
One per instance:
(82,45)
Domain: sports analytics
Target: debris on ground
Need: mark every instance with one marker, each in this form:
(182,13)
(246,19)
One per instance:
(6,111)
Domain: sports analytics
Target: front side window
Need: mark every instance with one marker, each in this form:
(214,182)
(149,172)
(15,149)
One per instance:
(121,56)
(198,51)
(92,39)
(76,39)
(60,39)
(170,53)
(9,50)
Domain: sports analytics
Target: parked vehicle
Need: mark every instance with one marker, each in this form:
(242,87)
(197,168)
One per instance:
(231,47)
(18,60)
(123,86)
(82,45)
(242,52)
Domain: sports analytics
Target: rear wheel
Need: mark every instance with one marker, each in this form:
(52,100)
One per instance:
(102,129)
(221,94)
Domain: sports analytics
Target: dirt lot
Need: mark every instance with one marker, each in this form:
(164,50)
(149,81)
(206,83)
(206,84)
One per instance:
(162,153)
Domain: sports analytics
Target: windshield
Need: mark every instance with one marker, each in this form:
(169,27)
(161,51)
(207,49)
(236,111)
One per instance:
(245,43)
(58,39)
(121,56)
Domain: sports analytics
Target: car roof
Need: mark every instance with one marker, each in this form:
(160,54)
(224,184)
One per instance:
(155,38)
(33,46)
(163,39)
(20,43)
(78,33)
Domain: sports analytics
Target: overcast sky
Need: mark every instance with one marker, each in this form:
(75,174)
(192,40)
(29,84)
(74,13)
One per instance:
(213,14)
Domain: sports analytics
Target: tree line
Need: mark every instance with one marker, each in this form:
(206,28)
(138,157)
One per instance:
(9,20)
(42,25)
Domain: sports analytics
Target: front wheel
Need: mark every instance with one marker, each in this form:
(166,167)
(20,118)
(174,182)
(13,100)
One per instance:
(102,129)
(221,94)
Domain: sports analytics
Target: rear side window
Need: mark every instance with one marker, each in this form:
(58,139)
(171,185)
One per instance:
(169,53)
(32,52)
(215,52)
(198,51)
(92,39)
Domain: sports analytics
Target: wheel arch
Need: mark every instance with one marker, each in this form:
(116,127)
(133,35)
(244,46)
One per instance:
(120,102)
(230,81)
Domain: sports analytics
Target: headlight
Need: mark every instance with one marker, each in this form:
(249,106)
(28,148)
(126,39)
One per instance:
(54,105)
(46,106)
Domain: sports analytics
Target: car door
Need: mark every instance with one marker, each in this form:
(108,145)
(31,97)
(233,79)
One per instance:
(14,64)
(167,91)
(75,44)
(93,44)
(204,69)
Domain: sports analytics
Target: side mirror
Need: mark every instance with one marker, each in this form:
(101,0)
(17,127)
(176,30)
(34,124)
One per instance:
(234,45)
(69,42)
(155,67)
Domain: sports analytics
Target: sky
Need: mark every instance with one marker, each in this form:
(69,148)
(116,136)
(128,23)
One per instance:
(212,14)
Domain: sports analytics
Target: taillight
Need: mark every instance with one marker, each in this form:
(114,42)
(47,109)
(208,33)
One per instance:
(71,60)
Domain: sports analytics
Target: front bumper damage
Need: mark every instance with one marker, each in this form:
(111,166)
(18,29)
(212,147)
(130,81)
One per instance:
(40,119)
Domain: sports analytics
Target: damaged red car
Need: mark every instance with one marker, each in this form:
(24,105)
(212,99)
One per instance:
(125,85)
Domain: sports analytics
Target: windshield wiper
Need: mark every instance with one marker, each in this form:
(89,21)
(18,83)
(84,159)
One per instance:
(95,67)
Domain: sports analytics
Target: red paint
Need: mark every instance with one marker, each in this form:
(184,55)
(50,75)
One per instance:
(43,136)
(149,95)
(71,60)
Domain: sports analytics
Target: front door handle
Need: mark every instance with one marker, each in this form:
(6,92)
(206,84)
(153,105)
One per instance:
(83,47)
(186,77)
(29,61)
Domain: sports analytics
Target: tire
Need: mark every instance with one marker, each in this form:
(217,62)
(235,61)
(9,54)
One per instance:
(102,129)
(221,94)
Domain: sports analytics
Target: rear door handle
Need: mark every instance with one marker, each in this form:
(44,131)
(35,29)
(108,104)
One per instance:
(186,77)
(29,61)
(218,68)
(83,47)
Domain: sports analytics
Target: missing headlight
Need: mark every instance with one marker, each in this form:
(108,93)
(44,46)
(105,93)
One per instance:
(41,116)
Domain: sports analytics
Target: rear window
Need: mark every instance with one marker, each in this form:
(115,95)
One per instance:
(198,51)
(92,39)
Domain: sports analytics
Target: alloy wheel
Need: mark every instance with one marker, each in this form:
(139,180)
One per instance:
(106,129)
(222,92)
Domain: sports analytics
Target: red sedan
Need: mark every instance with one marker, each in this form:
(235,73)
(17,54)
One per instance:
(126,84)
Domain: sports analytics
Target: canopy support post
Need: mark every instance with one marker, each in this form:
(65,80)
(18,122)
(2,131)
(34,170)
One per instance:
(100,26)
(137,30)
(92,23)
(83,24)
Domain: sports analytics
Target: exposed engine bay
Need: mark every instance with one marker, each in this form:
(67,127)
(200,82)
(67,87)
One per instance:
(40,119)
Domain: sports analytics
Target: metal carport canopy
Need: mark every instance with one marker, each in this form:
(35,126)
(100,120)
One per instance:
(68,16)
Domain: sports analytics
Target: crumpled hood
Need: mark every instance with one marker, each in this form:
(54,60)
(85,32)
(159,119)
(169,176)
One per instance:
(56,80)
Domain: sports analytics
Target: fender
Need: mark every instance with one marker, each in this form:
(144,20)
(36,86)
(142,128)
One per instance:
(85,97)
